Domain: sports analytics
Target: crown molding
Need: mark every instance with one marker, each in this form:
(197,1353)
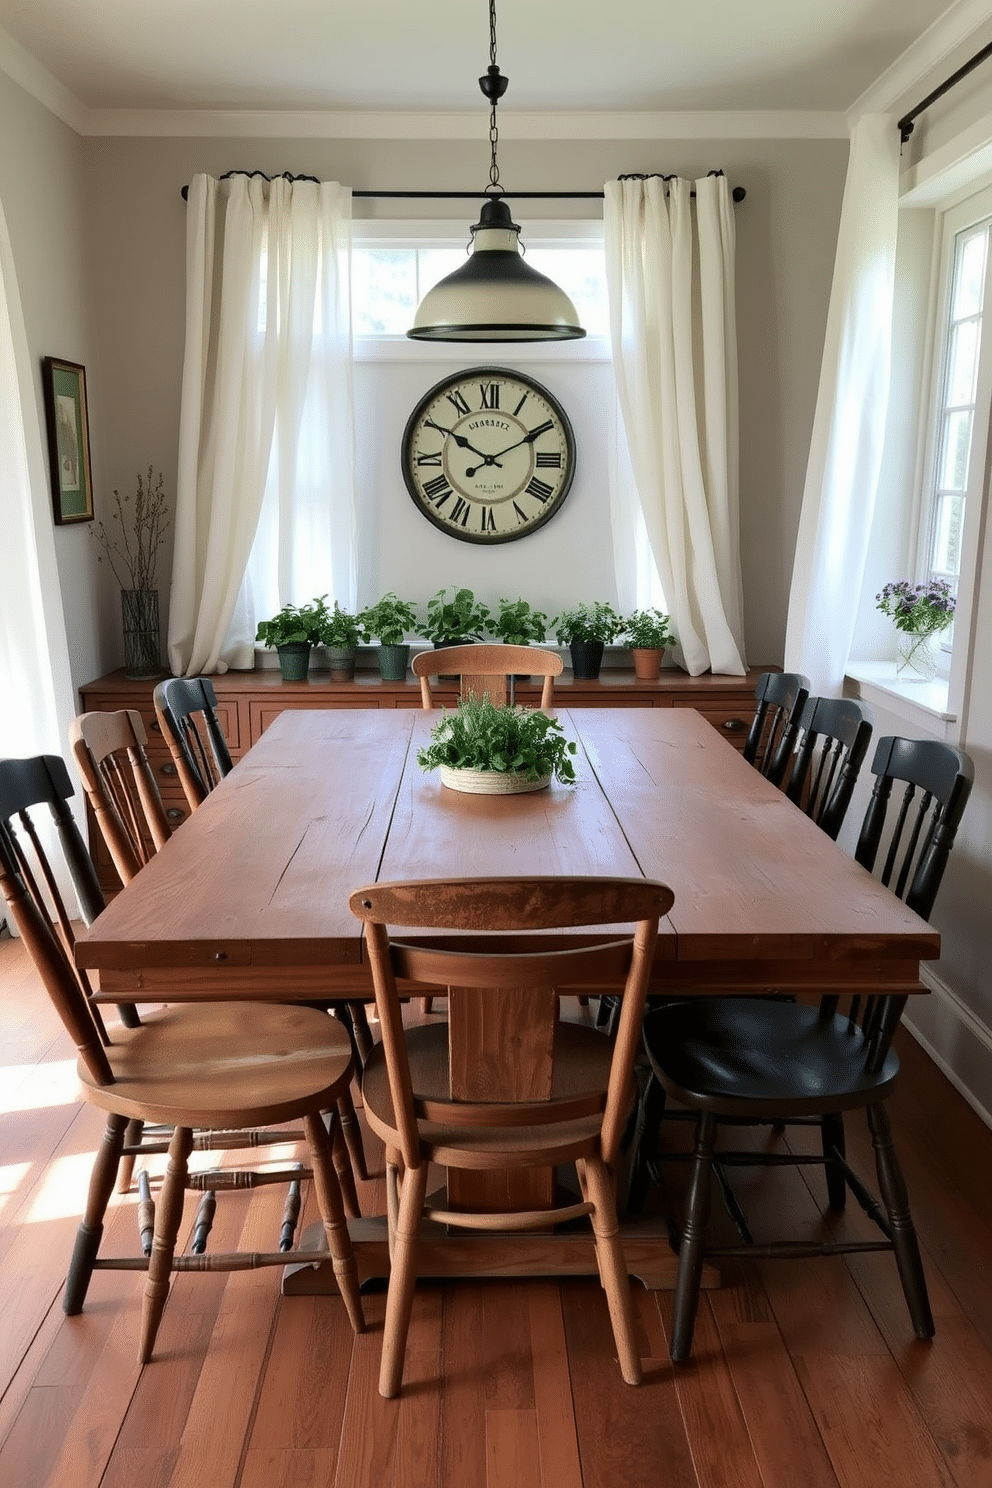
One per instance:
(315,124)
(36,80)
(909,70)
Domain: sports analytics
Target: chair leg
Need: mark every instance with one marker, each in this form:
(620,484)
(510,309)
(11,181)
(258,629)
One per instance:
(650,1114)
(362,1033)
(832,1141)
(125,1171)
(697,1214)
(168,1217)
(352,1134)
(335,1224)
(402,1279)
(427,1004)
(892,1187)
(90,1232)
(612,1265)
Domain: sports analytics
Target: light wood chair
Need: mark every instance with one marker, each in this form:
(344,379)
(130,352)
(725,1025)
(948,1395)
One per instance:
(751,1059)
(585,1082)
(219,1068)
(109,752)
(487,671)
(186,708)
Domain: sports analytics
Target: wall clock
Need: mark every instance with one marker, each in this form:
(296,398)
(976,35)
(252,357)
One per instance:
(488,455)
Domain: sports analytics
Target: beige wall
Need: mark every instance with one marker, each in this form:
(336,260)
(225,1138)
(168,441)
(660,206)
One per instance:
(43,195)
(786,233)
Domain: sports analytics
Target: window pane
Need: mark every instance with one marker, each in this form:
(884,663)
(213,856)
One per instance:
(581,273)
(384,290)
(970,280)
(957,448)
(434,263)
(946,559)
(963,360)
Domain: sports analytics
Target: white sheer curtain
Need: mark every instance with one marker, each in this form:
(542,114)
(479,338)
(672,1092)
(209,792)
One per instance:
(34,654)
(670,274)
(849,423)
(266,441)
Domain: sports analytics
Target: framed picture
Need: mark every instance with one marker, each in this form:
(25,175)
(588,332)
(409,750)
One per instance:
(68,440)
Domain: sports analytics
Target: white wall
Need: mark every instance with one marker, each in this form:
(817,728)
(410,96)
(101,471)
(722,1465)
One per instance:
(786,232)
(42,190)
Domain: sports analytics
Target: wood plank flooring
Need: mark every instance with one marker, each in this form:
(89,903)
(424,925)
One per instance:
(805,1374)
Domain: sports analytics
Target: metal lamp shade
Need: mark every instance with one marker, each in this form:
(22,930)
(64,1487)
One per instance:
(494,295)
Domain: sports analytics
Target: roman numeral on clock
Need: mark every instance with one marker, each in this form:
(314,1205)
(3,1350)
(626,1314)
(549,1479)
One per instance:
(539,488)
(436,459)
(487,521)
(459,512)
(551,459)
(437,490)
(458,400)
(490,394)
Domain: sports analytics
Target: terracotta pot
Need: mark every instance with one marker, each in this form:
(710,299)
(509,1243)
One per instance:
(647,662)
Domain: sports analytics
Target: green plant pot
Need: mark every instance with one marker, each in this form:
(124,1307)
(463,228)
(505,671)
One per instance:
(341,661)
(587,658)
(294,661)
(393,662)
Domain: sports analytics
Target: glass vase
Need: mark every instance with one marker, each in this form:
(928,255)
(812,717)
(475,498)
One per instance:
(916,656)
(142,646)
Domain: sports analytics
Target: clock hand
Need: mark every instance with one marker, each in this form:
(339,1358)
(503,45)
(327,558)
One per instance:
(527,439)
(463,443)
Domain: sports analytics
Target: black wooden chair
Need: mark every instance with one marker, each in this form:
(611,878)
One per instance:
(733,1060)
(781,697)
(831,742)
(186,708)
(199,1077)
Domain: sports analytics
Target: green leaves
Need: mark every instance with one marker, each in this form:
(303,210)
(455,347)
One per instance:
(588,622)
(389,619)
(517,624)
(648,628)
(457,619)
(295,626)
(482,736)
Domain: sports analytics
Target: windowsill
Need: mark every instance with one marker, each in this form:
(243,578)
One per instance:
(924,704)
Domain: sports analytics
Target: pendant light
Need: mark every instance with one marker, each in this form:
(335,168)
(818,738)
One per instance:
(495,295)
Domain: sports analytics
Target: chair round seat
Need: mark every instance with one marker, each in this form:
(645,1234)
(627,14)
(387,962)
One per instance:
(731,1054)
(225,1064)
(586,1062)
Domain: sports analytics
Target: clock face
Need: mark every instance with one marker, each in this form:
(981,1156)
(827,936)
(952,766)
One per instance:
(488,455)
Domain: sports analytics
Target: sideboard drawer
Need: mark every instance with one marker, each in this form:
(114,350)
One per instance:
(732,720)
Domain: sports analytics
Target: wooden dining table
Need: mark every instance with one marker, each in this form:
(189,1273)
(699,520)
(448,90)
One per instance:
(249,898)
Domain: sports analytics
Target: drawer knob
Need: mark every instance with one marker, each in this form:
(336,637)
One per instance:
(732,725)
(176,813)
(168,769)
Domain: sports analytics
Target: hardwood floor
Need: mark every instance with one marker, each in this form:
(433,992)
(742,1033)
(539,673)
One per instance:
(805,1374)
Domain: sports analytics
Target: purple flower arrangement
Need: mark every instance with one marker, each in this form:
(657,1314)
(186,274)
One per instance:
(920,609)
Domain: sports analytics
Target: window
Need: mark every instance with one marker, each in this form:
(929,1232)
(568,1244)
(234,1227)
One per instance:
(955,463)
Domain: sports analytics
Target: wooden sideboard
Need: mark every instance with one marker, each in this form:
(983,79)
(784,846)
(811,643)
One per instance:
(247,702)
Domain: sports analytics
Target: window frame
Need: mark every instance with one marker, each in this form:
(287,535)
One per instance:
(952,220)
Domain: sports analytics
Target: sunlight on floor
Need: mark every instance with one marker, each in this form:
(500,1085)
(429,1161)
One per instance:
(31,1087)
(62,1191)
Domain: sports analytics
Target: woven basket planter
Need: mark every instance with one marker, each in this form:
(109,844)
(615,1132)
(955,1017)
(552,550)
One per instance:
(490,782)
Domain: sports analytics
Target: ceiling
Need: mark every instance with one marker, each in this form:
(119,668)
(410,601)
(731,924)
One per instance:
(380,55)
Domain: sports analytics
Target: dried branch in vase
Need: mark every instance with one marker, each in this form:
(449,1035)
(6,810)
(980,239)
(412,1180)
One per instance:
(142,521)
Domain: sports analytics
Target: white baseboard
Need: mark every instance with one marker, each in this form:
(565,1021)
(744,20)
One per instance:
(959,1021)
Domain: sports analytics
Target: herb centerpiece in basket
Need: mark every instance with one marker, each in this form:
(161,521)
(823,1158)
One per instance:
(487,749)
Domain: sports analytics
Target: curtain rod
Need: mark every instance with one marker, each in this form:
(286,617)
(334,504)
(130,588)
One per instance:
(738,193)
(906,123)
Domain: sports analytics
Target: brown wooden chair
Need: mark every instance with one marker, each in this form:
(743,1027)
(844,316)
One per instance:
(218,1068)
(585,1084)
(487,671)
(109,752)
(733,1060)
(186,708)
(781,697)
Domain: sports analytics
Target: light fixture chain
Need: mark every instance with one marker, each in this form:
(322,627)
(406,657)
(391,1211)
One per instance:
(494,185)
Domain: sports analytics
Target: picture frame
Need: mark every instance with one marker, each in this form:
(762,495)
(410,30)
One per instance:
(67,417)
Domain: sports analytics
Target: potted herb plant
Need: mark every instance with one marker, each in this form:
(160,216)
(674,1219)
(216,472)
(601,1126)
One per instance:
(516,624)
(921,612)
(341,635)
(451,622)
(389,619)
(585,631)
(647,633)
(489,749)
(293,632)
